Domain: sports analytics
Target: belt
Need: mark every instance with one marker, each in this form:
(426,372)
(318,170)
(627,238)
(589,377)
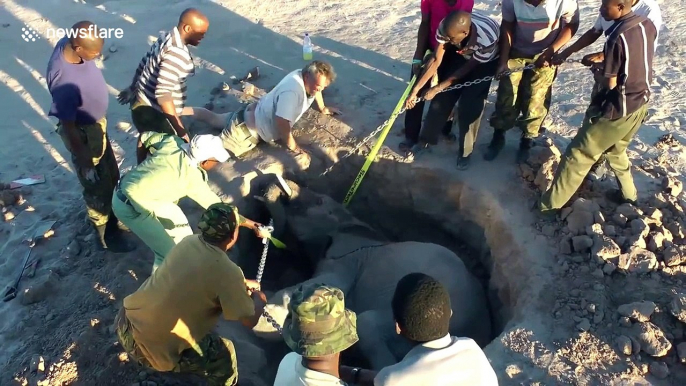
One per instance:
(121,196)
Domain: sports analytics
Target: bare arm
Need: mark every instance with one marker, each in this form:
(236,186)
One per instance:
(565,36)
(430,70)
(611,83)
(319,99)
(141,152)
(283,127)
(589,37)
(459,74)
(422,38)
(506,29)
(259,301)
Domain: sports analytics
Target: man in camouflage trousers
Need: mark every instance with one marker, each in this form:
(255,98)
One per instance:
(318,328)
(167,323)
(531,32)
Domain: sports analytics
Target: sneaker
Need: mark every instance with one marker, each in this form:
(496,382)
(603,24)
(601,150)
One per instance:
(463,163)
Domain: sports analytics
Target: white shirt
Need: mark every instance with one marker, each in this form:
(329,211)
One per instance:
(292,373)
(288,100)
(448,361)
(646,8)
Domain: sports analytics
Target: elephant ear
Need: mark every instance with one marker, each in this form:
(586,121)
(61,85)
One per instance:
(317,246)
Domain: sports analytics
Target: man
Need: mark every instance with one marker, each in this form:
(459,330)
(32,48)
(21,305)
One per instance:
(273,116)
(158,92)
(167,323)
(617,111)
(469,45)
(145,199)
(318,328)
(531,32)
(421,309)
(648,8)
(433,11)
(79,101)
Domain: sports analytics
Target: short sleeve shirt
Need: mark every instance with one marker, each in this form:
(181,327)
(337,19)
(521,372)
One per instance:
(537,28)
(437,10)
(292,373)
(487,35)
(648,8)
(183,299)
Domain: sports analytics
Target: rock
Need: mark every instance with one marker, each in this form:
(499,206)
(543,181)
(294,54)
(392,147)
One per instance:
(584,325)
(681,352)
(639,311)
(609,230)
(597,273)
(595,229)
(565,212)
(624,344)
(604,248)
(653,216)
(549,230)
(638,261)
(538,155)
(656,241)
(39,291)
(672,186)
(578,220)
(629,211)
(599,217)
(598,316)
(621,241)
(113,48)
(636,241)
(527,172)
(673,256)
(619,219)
(545,175)
(625,322)
(73,249)
(652,339)
(658,201)
(659,370)
(581,243)
(678,306)
(608,268)
(635,345)
(676,229)
(585,205)
(37,364)
(566,246)
(639,227)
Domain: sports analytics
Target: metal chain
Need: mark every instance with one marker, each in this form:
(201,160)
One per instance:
(402,110)
(260,271)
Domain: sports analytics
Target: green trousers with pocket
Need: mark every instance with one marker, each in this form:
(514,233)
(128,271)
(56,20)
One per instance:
(147,118)
(597,135)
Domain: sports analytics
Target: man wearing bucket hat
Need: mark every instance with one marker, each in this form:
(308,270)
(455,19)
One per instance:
(167,323)
(318,328)
(168,170)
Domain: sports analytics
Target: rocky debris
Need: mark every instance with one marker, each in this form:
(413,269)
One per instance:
(635,345)
(599,217)
(659,201)
(676,229)
(659,370)
(668,141)
(578,220)
(681,352)
(582,243)
(564,212)
(548,230)
(656,241)
(609,230)
(39,291)
(673,256)
(608,268)
(545,175)
(9,198)
(604,248)
(672,186)
(538,155)
(678,306)
(653,216)
(651,339)
(37,364)
(625,322)
(595,229)
(527,172)
(566,246)
(639,227)
(635,241)
(639,311)
(584,324)
(638,261)
(619,219)
(585,205)
(629,211)
(624,344)
(145,383)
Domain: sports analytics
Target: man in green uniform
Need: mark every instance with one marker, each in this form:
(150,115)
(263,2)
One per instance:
(616,112)
(167,323)
(145,199)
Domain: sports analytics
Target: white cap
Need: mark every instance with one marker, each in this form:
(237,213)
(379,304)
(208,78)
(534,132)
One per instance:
(206,146)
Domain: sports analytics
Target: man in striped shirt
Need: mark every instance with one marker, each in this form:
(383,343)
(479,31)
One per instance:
(615,114)
(469,45)
(158,92)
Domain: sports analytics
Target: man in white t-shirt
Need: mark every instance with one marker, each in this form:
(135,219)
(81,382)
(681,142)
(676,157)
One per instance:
(318,328)
(272,117)
(437,359)
(647,8)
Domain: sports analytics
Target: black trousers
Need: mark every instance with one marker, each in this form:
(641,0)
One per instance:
(413,117)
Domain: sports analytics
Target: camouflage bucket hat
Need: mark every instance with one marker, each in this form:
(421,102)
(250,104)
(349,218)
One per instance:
(318,323)
(219,222)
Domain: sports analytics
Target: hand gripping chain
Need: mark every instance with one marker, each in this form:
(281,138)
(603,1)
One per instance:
(260,271)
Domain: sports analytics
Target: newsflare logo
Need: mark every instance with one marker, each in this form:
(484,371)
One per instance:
(29,34)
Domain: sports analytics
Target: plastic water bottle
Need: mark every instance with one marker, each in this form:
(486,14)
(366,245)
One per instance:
(307,48)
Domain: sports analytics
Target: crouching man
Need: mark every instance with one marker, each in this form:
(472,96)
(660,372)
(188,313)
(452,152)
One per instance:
(272,117)
(167,323)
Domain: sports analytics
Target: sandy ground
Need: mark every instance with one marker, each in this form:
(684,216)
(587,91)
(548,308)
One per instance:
(563,296)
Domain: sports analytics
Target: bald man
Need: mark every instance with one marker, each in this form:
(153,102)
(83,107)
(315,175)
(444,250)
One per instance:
(79,102)
(469,43)
(157,93)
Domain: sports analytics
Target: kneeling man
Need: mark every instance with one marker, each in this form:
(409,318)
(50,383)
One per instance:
(272,117)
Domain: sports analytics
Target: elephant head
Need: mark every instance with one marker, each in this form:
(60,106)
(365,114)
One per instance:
(315,220)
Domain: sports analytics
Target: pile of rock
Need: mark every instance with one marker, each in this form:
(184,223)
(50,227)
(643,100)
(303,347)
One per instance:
(9,198)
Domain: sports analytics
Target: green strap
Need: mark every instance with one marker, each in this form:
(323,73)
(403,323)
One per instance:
(379,143)
(277,243)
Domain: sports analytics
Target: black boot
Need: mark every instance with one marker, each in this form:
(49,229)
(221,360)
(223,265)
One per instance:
(111,239)
(495,146)
(525,145)
(113,221)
